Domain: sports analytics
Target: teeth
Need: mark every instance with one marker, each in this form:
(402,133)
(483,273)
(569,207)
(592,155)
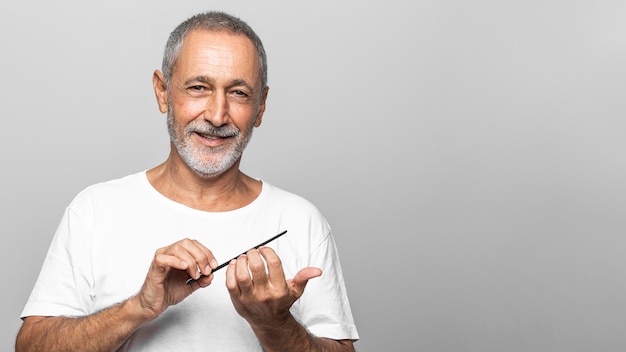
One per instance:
(209,137)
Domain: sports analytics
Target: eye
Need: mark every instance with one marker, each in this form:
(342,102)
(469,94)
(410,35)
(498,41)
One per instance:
(197,88)
(240,93)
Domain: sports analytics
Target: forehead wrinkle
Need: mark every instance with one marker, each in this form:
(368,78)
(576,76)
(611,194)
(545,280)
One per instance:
(205,57)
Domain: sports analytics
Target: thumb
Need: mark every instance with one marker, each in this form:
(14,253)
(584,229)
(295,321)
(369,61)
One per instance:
(298,283)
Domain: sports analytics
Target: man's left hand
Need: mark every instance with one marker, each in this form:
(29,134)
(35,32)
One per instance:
(258,288)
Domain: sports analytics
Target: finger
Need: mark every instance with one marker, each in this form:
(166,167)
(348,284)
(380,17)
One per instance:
(298,283)
(164,261)
(274,266)
(161,266)
(211,261)
(205,260)
(256,264)
(204,281)
(242,275)
(231,279)
(199,259)
(181,252)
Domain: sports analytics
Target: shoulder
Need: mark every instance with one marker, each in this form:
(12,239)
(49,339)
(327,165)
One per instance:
(294,212)
(287,199)
(117,189)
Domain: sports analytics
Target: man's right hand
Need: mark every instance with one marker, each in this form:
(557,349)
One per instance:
(109,328)
(165,284)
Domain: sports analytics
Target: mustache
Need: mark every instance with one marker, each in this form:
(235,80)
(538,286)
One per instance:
(210,129)
(205,127)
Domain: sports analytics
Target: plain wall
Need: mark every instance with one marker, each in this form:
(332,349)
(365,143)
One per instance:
(470,155)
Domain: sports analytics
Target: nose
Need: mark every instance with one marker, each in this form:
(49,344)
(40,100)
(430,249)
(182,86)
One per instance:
(216,111)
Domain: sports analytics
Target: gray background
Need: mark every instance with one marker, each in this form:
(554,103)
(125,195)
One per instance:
(469,154)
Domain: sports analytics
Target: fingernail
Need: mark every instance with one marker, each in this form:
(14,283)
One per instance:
(214,263)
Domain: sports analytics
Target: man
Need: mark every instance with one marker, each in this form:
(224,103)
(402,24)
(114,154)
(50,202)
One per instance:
(93,293)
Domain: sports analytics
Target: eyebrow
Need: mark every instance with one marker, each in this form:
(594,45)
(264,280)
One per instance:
(209,80)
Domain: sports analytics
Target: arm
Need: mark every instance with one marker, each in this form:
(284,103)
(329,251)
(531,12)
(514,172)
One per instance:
(108,329)
(263,297)
(292,336)
(103,331)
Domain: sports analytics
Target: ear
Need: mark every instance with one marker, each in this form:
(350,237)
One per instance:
(259,116)
(160,90)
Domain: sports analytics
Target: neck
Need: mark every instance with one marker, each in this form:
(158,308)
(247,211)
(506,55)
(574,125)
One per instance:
(229,190)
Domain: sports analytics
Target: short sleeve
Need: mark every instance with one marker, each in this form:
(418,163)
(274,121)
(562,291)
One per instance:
(324,308)
(64,285)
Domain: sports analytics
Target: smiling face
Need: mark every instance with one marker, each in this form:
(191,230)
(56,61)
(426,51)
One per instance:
(214,100)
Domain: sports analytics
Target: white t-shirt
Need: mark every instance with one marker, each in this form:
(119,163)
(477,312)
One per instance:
(107,238)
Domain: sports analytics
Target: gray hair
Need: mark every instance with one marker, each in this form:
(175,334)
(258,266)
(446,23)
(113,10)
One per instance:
(214,21)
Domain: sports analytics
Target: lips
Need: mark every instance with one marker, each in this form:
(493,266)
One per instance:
(212,140)
(210,136)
